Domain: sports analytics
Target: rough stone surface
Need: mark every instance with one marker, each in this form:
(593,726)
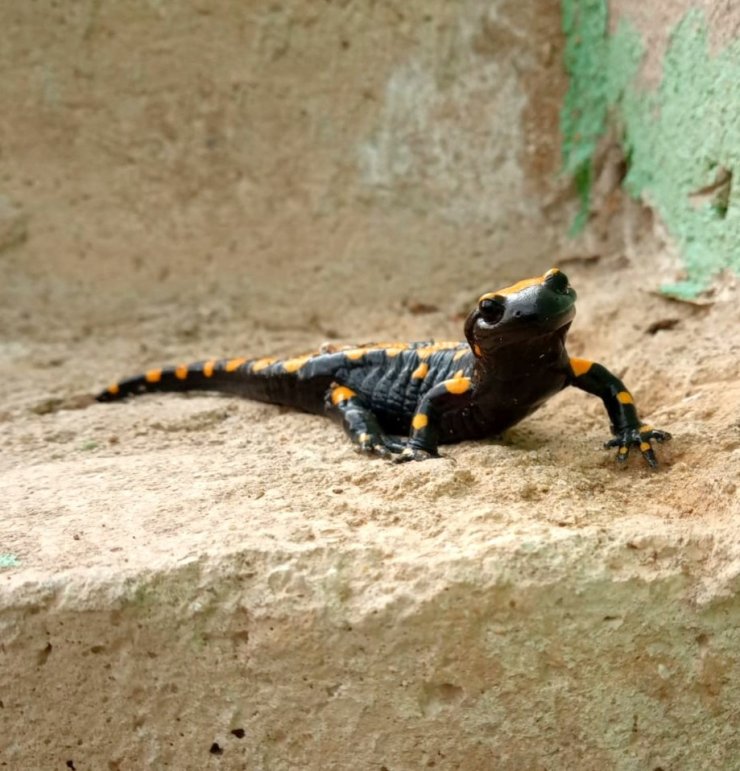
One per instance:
(179,569)
(203,582)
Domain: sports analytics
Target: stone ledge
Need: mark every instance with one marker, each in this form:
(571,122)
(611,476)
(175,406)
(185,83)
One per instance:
(559,650)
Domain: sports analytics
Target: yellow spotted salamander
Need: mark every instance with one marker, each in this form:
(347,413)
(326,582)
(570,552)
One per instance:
(402,400)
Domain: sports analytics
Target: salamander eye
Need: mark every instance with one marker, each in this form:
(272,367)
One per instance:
(491,310)
(556,280)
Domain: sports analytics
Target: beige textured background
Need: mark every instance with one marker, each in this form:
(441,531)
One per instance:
(195,179)
(157,150)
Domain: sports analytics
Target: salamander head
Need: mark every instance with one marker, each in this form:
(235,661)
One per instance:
(529,309)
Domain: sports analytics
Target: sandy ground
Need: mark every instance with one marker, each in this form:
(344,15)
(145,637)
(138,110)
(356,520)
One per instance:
(164,478)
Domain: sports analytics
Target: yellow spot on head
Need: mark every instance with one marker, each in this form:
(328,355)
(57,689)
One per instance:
(261,364)
(113,389)
(153,376)
(208,368)
(514,288)
(421,371)
(645,446)
(181,372)
(341,394)
(458,385)
(580,366)
(520,285)
(233,364)
(420,421)
(625,397)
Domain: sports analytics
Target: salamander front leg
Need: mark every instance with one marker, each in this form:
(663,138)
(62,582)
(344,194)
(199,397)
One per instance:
(359,423)
(424,439)
(626,426)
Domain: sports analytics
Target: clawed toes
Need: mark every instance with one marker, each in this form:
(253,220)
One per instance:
(640,438)
(373,448)
(660,436)
(413,453)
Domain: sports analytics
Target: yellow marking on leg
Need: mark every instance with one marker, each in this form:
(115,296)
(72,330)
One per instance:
(363,438)
(458,385)
(625,397)
(460,354)
(261,364)
(113,389)
(477,351)
(181,372)
(153,376)
(623,450)
(645,446)
(580,366)
(341,394)
(421,371)
(293,365)
(208,368)
(420,421)
(233,364)
(644,429)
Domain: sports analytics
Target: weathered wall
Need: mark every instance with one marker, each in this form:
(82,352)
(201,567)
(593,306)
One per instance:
(211,583)
(151,147)
(666,77)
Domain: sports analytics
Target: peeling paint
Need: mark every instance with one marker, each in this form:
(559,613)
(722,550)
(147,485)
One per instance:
(681,140)
(9,561)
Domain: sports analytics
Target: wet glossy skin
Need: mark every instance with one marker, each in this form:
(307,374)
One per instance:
(401,400)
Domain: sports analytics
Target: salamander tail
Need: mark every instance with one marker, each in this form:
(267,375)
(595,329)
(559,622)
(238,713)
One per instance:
(227,375)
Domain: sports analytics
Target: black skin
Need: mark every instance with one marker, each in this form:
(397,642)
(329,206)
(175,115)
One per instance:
(402,400)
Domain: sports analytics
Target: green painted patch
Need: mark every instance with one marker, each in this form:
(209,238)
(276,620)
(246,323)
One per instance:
(682,140)
(9,561)
(583,117)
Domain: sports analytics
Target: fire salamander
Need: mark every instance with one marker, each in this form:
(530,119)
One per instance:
(402,400)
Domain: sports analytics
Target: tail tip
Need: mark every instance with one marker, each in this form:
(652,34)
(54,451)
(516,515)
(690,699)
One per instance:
(110,394)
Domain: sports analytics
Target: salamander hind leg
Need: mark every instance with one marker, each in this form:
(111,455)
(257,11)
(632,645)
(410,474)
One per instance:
(359,422)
